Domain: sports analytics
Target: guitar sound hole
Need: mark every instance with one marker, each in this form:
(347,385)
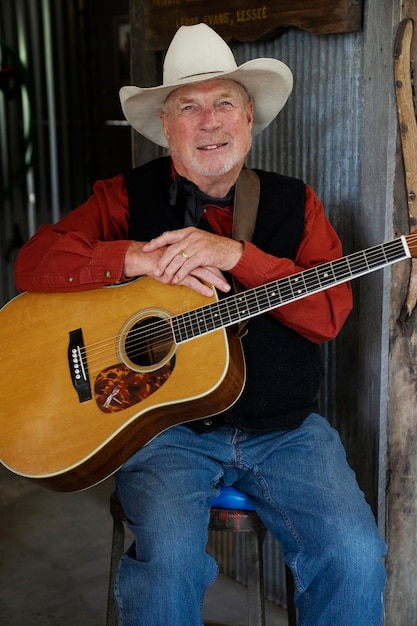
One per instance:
(149,342)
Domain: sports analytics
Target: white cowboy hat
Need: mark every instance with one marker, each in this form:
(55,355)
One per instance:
(197,53)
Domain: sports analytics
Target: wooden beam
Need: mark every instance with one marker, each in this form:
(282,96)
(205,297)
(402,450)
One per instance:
(401,518)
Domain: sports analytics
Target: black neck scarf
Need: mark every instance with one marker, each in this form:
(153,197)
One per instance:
(196,199)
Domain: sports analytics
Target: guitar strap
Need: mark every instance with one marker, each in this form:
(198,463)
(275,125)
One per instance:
(244,216)
(246,205)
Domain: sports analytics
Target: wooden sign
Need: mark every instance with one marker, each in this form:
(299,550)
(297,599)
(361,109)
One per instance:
(249,20)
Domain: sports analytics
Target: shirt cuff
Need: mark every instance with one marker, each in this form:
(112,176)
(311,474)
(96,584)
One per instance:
(107,262)
(252,268)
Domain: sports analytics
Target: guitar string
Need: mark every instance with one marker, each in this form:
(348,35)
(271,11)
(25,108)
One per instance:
(168,337)
(253,298)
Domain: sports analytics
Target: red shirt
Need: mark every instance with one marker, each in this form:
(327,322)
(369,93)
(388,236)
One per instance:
(86,249)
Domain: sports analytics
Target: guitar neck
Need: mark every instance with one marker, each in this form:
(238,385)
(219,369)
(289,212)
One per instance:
(252,302)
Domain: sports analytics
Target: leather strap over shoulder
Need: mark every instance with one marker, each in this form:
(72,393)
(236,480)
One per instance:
(245,211)
(246,205)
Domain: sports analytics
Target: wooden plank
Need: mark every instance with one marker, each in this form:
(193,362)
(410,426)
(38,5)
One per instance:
(401,516)
(248,20)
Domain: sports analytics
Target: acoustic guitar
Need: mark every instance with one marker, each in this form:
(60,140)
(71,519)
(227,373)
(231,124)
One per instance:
(90,377)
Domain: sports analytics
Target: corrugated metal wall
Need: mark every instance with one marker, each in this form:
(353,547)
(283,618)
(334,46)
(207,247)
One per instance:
(315,137)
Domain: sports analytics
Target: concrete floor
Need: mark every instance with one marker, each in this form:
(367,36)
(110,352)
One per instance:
(55,554)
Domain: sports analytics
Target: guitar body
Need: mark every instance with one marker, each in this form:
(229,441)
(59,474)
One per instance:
(69,438)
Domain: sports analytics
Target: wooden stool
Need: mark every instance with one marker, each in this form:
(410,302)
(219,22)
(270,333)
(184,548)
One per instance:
(231,511)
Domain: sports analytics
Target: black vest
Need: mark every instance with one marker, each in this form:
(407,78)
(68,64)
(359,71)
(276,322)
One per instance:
(284,370)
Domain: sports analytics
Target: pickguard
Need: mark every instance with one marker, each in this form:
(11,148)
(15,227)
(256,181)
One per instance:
(118,387)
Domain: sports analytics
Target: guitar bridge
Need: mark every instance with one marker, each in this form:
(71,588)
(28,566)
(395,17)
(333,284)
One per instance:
(78,365)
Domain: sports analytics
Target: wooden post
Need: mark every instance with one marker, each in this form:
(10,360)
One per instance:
(401,524)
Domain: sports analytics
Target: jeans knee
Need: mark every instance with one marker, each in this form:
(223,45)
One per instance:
(358,559)
(368,557)
(342,585)
(143,589)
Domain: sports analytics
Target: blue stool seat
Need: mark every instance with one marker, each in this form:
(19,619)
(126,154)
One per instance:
(231,498)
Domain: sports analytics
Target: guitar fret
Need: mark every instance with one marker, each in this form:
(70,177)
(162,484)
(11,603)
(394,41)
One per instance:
(213,317)
(262,298)
(325,275)
(230,313)
(239,308)
(274,294)
(200,322)
(297,285)
(180,327)
(252,303)
(377,257)
(342,269)
(396,251)
(364,261)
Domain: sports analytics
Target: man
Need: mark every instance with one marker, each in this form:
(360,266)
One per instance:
(171,219)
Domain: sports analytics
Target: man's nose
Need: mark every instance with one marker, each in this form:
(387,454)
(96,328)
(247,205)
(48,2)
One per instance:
(210,118)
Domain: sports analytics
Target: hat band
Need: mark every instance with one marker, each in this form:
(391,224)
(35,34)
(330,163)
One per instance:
(203,74)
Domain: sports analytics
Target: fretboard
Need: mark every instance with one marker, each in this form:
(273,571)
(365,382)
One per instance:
(252,302)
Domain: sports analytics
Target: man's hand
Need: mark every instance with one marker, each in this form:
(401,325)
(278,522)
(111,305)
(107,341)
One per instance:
(191,252)
(166,260)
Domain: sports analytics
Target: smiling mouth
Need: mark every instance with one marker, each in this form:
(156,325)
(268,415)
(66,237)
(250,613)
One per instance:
(213,146)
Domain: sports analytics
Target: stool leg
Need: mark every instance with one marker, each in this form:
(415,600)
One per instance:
(289,579)
(255,577)
(117,549)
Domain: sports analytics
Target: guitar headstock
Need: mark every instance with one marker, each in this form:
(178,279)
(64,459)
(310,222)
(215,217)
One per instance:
(412,243)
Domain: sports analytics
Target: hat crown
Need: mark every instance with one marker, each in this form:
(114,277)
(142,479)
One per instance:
(196,51)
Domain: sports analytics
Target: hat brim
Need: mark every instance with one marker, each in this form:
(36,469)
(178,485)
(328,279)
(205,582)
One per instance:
(268,82)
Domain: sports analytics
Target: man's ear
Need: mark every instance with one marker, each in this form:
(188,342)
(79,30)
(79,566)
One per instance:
(250,113)
(164,123)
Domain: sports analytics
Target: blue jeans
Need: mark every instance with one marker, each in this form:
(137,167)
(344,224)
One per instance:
(301,486)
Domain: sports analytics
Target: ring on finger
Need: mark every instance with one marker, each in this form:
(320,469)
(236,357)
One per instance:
(184,254)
